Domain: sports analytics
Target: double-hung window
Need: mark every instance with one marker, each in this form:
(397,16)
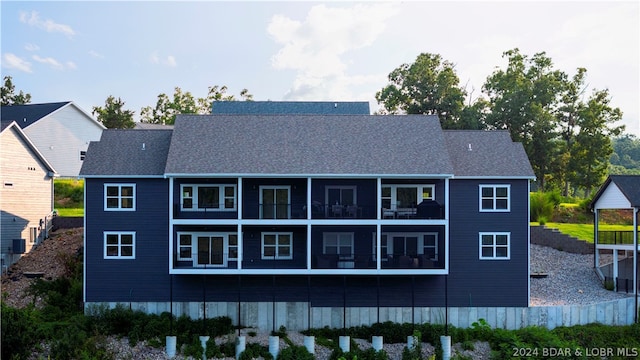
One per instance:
(495,198)
(277,246)
(119,245)
(340,244)
(119,197)
(208,197)
(495,246)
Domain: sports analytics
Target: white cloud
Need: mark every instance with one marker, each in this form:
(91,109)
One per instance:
(33,19)
(169,61)
(12,61)
(96,54)
(31,47)
(48,61)
(69,65)
(315,48)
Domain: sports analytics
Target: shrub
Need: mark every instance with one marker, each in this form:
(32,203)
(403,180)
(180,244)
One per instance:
(18,331)
(541,206)
(295,353)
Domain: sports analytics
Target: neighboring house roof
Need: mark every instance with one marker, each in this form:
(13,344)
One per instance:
(12,125)
(477,153)
(290,107)
(629,185)
(26,115)
(127,152)
(150,126)
(308,144)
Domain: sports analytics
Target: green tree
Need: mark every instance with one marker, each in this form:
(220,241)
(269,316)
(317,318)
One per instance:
(626,152)
(430,86)
(9,97)
(523,99)
(166,109)
(113,116)
(590,153)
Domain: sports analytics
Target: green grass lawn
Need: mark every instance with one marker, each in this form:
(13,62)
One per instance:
(584,231)
(70,212)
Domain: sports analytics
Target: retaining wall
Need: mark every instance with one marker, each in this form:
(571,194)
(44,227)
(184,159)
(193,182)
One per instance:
(298,316)
(541,235)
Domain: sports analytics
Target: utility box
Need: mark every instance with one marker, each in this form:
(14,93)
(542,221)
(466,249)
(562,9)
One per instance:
(19,246)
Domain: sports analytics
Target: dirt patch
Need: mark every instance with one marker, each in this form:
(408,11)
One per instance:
(47,261)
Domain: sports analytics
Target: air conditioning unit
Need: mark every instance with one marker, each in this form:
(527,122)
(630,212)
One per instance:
(19,246)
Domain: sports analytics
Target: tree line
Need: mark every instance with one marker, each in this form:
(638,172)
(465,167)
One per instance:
(567,130)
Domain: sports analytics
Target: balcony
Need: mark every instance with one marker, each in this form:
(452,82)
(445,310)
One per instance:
(615,237)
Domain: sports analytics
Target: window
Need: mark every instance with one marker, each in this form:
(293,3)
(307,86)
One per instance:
(494,198)
(409,244)
(277,246)
(494,246)
(274,202)
(207,249)
(208,197)
(33,235)
(406,195)
(340,244)
(119,245)
(83,154)
(185,247)
(119,197)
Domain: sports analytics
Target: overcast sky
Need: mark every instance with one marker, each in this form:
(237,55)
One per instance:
(86,51)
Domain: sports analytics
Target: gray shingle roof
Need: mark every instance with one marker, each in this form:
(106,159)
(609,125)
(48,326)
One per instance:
(492,154)
(290,107)
(308,144)
(25,115)
(120,153)
(628,184)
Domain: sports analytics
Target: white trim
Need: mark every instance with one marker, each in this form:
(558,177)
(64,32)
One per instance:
(120,197)
(494,177)
(494,197)
(341,271)
(119,245)
(276,246)
(208,234)
(494,246)
(316,176)
(195,197)
(128,176)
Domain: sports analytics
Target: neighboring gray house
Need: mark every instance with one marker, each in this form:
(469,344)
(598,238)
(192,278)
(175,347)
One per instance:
(306,214)
(61,131)
(26,194)
(290,107)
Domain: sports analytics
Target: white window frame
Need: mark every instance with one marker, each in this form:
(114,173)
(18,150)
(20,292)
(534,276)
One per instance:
(193,246)
(494,197)
(494,246)
(119,197)
(222,198)
(275,188)
(33,235)
(419,193)
(339,238)
(119,245)
(277,246)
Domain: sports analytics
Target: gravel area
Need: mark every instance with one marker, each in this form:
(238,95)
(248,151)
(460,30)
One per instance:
(571,279)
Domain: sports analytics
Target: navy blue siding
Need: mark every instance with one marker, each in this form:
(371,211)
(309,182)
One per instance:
(252,238)
(145,278)
(425,290)
(475,282)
